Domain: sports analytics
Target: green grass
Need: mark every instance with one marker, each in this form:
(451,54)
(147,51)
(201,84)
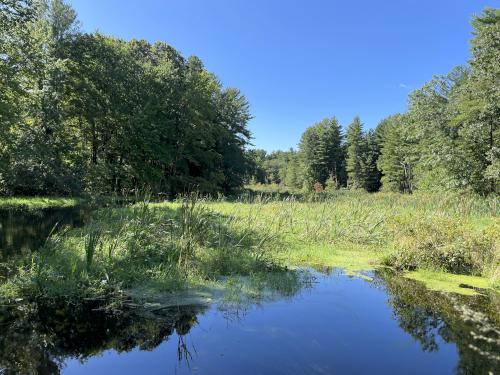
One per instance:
(38,202)
(195,243)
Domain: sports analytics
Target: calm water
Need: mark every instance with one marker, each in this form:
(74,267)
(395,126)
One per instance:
(25,230)
(340,325)
(335,325)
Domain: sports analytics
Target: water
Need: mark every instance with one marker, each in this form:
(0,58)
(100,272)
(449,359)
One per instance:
(24,230)
(335,325)
(338,325)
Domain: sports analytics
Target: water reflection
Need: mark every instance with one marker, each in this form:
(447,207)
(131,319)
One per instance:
(472,323)
(341,325)
(22,230)
(37,340)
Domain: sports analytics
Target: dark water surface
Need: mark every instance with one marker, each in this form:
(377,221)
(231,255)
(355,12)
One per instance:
(335,325)
(23,230)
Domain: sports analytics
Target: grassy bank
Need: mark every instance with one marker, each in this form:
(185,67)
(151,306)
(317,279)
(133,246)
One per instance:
(35,203)
(148,248)
(38,203)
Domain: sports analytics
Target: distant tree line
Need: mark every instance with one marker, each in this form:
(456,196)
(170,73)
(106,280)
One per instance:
(449,138)
(88,112)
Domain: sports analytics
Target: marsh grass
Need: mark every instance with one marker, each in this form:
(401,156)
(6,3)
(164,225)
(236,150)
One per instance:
(455,233)
(157,247)
(197,242)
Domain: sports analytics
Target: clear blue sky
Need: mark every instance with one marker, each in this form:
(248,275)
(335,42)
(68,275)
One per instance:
(300,61)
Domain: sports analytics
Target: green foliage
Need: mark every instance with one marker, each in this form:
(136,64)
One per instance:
(159,247)
(279,167)
(322,153)
(448,139)
(444,244)
(371,174)
(87,112)
(38,202)
(397,159)
(355,150)
(363,150)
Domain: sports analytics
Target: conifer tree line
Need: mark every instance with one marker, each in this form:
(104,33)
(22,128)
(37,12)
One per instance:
(88,112)
(448,139)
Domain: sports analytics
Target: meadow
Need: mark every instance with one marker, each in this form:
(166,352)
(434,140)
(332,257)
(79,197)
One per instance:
(448,241)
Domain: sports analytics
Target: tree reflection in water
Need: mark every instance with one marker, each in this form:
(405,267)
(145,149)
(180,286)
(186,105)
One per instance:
(40,339)
(470,322)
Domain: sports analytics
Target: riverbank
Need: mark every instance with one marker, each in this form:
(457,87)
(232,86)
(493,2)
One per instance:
(448,242)
(35,203)
(56,202)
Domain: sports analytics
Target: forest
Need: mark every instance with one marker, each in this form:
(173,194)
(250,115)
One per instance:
(136,211)
(85,112)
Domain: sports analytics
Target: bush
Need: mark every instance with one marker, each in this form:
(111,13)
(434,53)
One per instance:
(443,244)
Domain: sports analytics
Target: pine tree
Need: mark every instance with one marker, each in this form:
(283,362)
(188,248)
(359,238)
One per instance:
(370,171)
(355,150)
(397,159)
(321,152)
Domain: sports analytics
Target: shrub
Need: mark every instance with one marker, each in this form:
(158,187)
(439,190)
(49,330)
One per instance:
(442,244)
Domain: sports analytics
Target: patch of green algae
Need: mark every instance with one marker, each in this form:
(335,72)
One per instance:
(451,283)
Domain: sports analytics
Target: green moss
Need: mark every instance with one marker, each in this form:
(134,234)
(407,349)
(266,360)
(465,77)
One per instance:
(448,282)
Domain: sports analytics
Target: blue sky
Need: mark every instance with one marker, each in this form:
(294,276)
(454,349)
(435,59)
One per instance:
(300,61)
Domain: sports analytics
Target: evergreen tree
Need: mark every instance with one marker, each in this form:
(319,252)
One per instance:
(321,152)
(397,159)
(370,172)
(355,151)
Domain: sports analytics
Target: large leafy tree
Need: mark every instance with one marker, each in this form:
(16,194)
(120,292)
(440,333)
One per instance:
(477,107)
(86,111)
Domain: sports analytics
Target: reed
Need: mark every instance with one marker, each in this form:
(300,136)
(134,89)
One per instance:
(198,241)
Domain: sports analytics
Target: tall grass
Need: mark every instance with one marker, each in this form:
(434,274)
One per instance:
(38,202)
(92,242)
(196,241)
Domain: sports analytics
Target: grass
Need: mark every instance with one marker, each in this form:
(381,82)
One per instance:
(38,202)
(195,243)
(447,233)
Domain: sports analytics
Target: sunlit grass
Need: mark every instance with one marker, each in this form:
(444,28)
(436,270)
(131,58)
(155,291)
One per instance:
(197,243)
(38,202)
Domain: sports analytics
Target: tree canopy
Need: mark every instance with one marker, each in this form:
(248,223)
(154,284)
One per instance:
(89,112)
(85,111)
